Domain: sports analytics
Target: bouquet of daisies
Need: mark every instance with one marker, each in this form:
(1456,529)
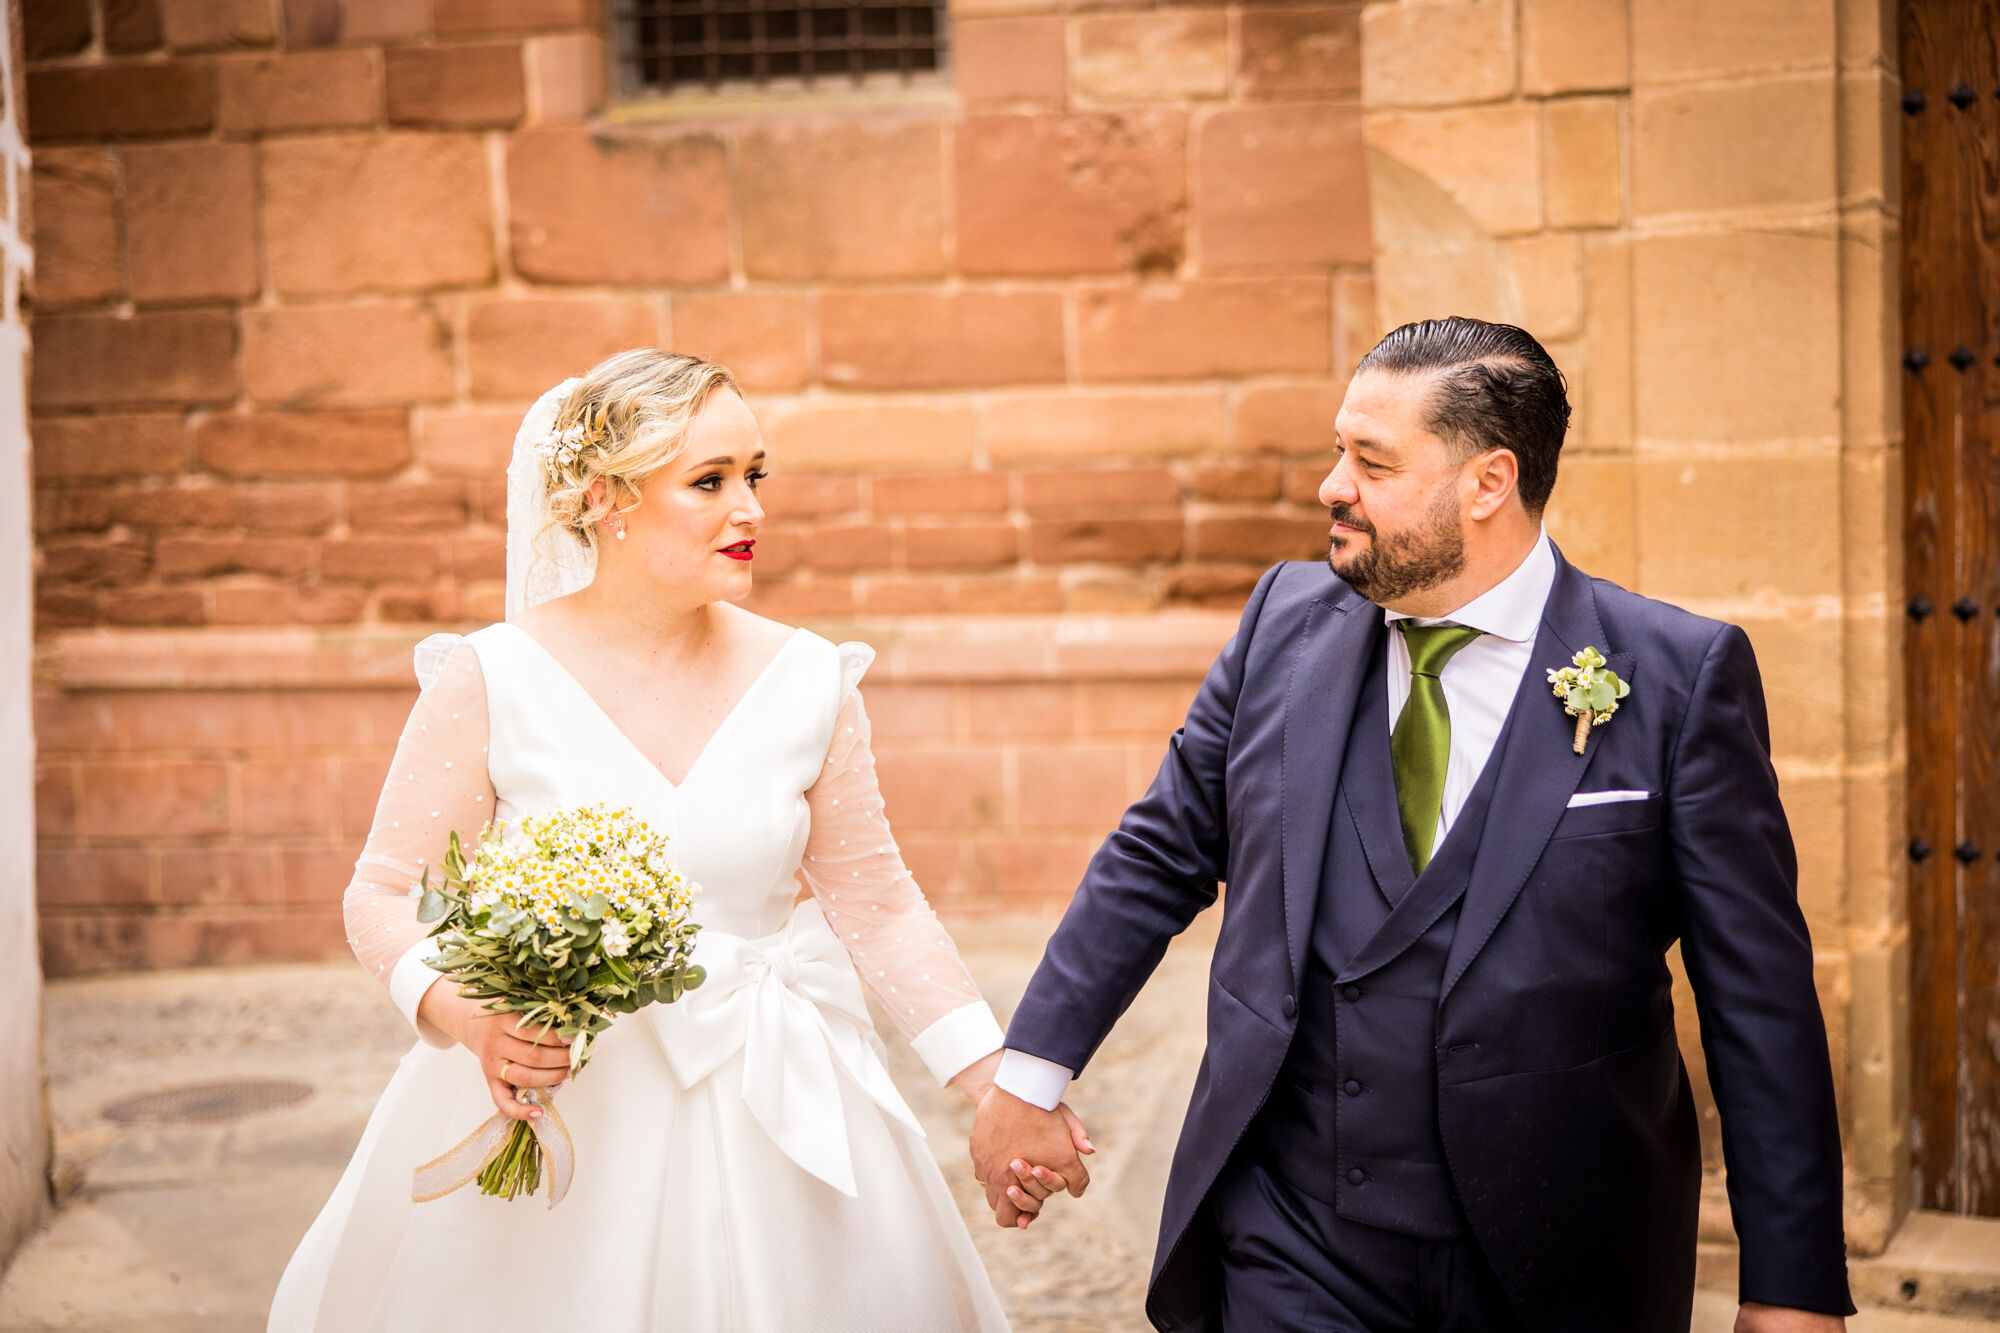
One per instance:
(569,920)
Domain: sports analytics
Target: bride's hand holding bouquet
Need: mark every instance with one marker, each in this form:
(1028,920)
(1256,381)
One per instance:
(550,932)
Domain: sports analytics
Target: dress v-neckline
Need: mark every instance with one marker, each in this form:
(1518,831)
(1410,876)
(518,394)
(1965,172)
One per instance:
(619,732)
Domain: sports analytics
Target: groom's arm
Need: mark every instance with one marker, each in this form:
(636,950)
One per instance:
(1155,872)
(1750,961)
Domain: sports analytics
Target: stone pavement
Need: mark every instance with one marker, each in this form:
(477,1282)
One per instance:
(175,1226)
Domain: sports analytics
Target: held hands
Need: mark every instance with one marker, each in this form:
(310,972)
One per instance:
(1754,1318)
(1011,1143)
(511,1056)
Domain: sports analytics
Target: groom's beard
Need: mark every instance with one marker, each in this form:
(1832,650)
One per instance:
(1410,561)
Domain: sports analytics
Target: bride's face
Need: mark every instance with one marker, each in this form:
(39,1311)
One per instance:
(696,532)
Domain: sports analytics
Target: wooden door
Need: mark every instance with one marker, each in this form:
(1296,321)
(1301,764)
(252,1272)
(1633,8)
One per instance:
(1951,424)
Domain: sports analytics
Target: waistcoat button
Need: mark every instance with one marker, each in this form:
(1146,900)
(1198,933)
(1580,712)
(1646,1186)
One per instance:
(1350,993)
(1290,1006)
(1356,1176)
(1351,1088)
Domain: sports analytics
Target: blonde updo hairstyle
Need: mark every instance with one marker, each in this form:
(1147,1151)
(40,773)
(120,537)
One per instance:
(624,420)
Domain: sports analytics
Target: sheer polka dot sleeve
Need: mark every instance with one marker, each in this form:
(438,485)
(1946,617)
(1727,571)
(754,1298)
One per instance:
(855,870)
(438,783)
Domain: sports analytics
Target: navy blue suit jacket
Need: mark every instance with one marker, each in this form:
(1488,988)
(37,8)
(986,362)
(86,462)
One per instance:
(1563,1103)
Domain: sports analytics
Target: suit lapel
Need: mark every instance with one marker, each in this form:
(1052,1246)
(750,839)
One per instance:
(1538,769)
(1339,640)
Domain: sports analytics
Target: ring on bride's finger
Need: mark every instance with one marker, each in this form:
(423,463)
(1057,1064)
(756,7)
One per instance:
(505,1065)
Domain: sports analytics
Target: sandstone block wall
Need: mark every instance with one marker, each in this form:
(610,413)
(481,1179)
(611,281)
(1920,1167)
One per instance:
(1695,206)
(1060,333)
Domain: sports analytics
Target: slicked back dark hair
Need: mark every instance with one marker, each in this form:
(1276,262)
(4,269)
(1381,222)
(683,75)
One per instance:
(1492,387)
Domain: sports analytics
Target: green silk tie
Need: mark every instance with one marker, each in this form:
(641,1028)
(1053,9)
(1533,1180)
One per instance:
(1420,745)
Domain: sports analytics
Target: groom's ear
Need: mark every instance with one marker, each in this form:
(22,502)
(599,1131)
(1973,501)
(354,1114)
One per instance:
(1496,477)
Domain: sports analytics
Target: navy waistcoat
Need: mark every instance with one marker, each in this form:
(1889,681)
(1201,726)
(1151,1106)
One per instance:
(1353,1119)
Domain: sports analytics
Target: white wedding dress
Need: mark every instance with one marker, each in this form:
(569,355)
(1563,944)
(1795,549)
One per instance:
(743,1160)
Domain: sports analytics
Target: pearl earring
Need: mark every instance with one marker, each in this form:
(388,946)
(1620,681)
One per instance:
(618,529)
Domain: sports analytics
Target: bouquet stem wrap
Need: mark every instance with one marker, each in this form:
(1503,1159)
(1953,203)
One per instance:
(468,1161)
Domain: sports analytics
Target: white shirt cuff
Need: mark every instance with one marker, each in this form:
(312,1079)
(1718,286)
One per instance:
(1034,1080)
(408,980)
(961,1038)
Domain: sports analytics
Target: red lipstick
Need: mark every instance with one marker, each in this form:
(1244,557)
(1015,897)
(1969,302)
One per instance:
(740,551)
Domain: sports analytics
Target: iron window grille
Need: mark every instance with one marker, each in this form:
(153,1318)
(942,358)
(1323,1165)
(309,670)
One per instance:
(670,46)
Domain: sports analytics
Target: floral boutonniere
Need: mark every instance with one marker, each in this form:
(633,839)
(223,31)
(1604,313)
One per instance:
(1590,692)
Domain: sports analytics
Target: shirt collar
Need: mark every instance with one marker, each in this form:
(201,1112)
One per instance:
(1512,608)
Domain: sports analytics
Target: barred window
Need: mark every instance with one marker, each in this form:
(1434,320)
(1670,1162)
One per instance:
(681,45)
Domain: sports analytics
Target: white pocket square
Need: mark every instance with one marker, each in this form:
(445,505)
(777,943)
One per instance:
(1584,798)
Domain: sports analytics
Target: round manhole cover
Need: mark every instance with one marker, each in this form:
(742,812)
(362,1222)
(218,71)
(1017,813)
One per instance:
(206,1101)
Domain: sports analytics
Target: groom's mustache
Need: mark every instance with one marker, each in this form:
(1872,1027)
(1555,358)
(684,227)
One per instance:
(1344,515)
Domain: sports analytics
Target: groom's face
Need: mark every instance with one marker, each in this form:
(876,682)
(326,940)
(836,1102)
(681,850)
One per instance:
(1395,493)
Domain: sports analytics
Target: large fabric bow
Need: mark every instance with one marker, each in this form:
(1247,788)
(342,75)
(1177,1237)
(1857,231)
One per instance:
(792,1003)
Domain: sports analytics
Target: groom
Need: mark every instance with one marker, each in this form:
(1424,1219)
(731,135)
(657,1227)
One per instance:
(1442,1088)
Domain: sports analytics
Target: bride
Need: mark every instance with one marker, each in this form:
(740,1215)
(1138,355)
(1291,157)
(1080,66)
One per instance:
(743,1160)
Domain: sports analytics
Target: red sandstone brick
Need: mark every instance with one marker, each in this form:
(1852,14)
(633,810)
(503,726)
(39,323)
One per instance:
(307,90)
(120,101)
(1012,594)
(379,559)
(378,354)
(1303,480)
(51,28)
(461,17)
(469,86)
(317,604)
(802,495)
(519,348)
(190,221)
(1010,59)
(65,509)
(399,212)
(406,504)
(314,875)
(260,934)
(1147,709)
(209,25)
(960,545)
(1223,586)
(1283,186)
(153,606)
(1057,489)
(258,603)
(566,71)
(131,26)
(765,338)
(912,338)
(1249,479)
(1077,193)
(64,608)
(468,441)
(109,447)
(898,711)
(1020,874)
(1110,540)
(1288,418)
(55,800)
(361,783)
(489,500)
(483,555)
(1070,786)
(850,197)
(1082,427)
(934,493)
(905,436)
(100,877)
(901,596)
(170,356)
(1305,52)
(152,798)
(203,556)
(76,228)
(1204,327)
(955,789)
(92,561)
(793,599)
(411,605)
(304,444)
(668,226)
(848,546)
(996,711)
(1265,536)
(288,796)
(296,509)
(238,875)
(311,23)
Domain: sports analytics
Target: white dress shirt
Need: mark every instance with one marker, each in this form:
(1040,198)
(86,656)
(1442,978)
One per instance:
(1480,682)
